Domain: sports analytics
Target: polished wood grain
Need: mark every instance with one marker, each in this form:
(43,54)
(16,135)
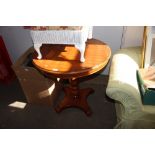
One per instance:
(63,61)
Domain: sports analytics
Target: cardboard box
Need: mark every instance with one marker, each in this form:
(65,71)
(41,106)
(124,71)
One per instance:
(37,88)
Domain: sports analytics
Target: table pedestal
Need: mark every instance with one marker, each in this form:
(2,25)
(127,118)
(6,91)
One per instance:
(75,97)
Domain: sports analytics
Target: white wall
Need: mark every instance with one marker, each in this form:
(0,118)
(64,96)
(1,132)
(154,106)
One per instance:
(109,34)
(133,36)
(18,40)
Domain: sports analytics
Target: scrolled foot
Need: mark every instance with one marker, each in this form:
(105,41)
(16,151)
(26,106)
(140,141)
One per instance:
(37,48)
(82,59)
(58,109)
(39,56)
(81,48)
(88,112)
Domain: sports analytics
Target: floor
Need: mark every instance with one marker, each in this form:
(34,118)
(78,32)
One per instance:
(44,117)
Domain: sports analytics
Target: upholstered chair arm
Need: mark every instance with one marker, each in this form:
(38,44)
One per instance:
(122,84)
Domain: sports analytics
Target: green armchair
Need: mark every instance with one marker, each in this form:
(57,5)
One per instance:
(123,88)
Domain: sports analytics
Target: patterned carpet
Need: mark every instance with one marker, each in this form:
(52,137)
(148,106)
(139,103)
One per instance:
(44,117)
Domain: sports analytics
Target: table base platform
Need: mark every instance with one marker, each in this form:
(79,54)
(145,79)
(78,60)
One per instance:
(77,99)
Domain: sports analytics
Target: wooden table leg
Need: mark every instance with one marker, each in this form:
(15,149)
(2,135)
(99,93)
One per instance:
(75,97)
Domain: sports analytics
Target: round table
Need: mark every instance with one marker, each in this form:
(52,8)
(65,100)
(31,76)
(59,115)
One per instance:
(62,61)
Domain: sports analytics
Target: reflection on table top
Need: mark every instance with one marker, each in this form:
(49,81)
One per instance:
(63,60)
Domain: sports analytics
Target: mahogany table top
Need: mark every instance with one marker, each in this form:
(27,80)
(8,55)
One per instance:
(63,60)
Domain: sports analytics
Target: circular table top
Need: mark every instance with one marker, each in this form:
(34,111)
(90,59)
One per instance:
(64,60)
